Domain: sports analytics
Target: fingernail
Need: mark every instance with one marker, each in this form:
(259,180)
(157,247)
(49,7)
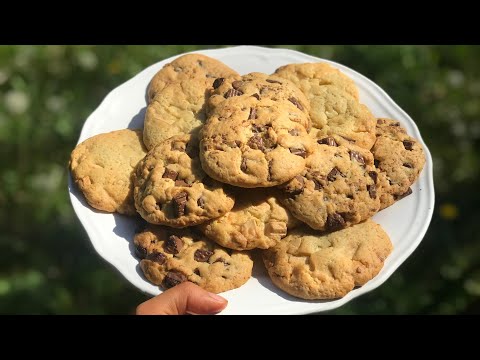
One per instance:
(216,298)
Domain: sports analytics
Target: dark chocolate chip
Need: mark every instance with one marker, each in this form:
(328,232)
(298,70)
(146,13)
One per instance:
(236,84)
(256,142)
(296,103)
(170,174)
(202,255)
(196,271)
(173,245)
(243,166)
(222,260)
(333,174)
(253,114)
(299,152)
(356,156)
(408,144)
(408,165)
(373,175)
(258,128)
(317,184)
(330,141)
(140,251)
(273,81)
(257,96)
(201,202)
(232,92)
(218,82)
(173,278)
(335,222)
(295,186)
(157,257)
(179,203)
(181,183)
(401,196)
(372,191)
(293,132)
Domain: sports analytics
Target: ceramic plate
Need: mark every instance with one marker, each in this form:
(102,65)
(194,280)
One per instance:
(112,235)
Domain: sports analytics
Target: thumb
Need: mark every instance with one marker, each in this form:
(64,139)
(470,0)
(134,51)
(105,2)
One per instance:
(186,298)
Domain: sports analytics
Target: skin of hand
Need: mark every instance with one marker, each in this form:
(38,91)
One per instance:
(186,298)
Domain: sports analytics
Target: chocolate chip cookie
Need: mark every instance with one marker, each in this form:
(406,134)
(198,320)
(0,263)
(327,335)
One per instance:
(249,142)
(171,256)
(399,159)
(335,110)
(188,66)
(309,75)
(336,189)
(260,86)
(102,168)
(257,220)
(312,265)
(172,189)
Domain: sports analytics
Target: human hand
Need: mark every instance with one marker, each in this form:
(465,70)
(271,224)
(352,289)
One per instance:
(186,298)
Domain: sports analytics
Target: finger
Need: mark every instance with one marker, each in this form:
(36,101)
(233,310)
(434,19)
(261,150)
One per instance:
(186,298)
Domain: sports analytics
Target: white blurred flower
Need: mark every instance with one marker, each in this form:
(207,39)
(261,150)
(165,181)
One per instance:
(54,103)
(17,102)
(48,181)
(87,60)
(455,78)
(3,77)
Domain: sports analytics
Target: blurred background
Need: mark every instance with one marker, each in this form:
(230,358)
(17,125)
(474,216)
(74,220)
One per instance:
(47,265)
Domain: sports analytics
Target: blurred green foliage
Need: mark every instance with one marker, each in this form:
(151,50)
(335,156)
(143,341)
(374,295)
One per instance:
(47,265)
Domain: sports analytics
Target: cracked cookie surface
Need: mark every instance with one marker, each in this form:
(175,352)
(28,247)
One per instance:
(102,167)
(201,67)
(257,220)
(177,95)
(171,256)
(249,143)
(260,86)
(334,107)
(308,75)
(399,159)
(312,265)
(336,189)
(172,189)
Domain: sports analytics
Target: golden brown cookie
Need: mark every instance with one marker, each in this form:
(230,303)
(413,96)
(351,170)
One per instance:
(260,86)
(399,159)
(257,220)
(309,75)
(102,167)
(189,66)
(335,190)
(313,265)
(172,189)
(171,256)
(249,142)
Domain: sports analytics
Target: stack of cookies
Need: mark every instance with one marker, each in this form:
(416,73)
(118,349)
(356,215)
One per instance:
(291,164)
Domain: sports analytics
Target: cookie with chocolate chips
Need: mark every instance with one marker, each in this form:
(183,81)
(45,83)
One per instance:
(200,67)
(177,96)
(257,220)
(249,142)
(312,265)
(260,86)
(309,75)
(399,159)
(172,189)
(336,189)
(171,256)
(334,107)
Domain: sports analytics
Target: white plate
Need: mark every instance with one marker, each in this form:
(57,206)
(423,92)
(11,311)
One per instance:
(111,234)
